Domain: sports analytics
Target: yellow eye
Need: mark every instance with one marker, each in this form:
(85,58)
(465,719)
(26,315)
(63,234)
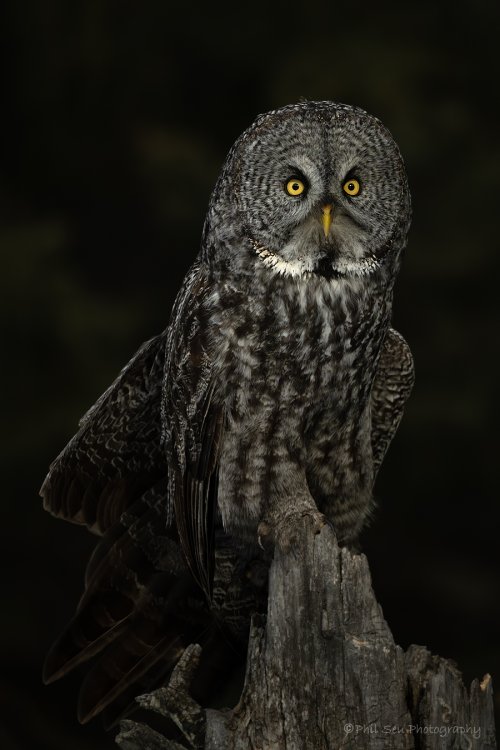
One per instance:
(351,187)
(295,187)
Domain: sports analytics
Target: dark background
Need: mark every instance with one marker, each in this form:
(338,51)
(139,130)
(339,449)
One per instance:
(116,118)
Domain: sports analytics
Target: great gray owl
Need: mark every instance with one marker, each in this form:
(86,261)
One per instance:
(268,402)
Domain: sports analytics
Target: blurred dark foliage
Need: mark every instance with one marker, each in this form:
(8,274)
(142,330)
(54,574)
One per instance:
(116,118)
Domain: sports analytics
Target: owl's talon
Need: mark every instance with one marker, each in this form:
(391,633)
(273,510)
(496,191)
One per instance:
(319,520)
(264,535)
(284,532)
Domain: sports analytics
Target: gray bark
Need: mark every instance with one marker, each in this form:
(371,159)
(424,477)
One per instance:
(323,672)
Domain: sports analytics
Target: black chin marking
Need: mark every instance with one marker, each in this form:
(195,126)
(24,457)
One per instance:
(324,268)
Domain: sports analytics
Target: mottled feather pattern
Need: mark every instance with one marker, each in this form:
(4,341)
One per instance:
(391,389)
(270,399)
(117,451)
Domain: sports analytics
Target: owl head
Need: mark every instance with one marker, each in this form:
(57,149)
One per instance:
(316,188)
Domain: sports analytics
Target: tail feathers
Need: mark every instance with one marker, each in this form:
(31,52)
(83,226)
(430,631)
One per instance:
(101,550)
(125,704)
(121,581)
(123,567)
(135,654)
(141,660)
(132,590)
(141,532)
(88,633)
(139,601)
(140,608)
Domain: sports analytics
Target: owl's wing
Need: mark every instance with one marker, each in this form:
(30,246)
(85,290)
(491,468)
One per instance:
(140,600)
(116,454)
(112,477)
(392,386)
(194,427)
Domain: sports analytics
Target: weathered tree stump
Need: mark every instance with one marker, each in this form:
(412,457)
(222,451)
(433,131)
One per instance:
(323,673)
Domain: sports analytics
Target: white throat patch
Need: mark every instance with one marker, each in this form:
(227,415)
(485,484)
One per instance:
(295,268)
(300,268)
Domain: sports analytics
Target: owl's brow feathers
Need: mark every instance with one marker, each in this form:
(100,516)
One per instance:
(269,120)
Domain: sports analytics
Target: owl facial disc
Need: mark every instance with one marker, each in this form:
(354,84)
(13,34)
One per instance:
(321,189)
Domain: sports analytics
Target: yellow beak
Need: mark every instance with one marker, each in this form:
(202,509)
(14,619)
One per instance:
(327,218)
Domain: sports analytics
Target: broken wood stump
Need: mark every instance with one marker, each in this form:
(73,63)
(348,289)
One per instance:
(323,673)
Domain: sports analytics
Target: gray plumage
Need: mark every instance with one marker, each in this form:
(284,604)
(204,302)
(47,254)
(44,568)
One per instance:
(268,402)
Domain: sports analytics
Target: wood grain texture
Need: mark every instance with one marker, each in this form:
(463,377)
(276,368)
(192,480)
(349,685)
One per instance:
(323,672)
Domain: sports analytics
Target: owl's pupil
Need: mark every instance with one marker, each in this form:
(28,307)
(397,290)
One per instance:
(351,186)
(295,186)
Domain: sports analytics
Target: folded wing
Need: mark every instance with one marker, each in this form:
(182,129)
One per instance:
(391,388)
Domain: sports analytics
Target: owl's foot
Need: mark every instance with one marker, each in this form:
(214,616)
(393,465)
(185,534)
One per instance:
(285,530)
